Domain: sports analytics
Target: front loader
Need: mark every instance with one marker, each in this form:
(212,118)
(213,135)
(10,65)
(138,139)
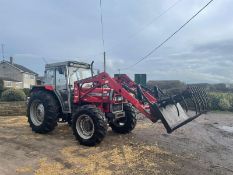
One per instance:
(71,93)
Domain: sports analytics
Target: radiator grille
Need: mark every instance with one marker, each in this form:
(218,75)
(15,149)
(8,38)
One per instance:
(117,107)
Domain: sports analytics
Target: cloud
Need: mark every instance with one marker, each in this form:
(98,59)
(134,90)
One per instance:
(61,30)
(222,47)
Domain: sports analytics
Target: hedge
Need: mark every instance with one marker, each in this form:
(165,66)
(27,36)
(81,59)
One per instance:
(13,95)
(220,101)
(26,91)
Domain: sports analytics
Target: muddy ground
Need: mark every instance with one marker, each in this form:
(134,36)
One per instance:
(205,146)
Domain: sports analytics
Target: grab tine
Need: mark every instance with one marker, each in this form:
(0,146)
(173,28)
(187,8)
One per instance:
(196,99)
(204,98)
(192,99)
(200,98)
(185,103)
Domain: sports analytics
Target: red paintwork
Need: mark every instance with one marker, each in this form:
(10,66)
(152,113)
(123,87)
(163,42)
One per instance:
(124,79)
(96,95)
(103,79)
(49,87)
(46,87)
(102,85)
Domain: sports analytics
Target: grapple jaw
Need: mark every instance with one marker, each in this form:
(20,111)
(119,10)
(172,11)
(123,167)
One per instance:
(178,110)
(173,110)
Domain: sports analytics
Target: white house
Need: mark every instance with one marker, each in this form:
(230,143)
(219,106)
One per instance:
(16,76)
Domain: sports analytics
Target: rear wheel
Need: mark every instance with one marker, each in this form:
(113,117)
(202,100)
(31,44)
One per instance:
(89,125)
(43,111)
(126,124)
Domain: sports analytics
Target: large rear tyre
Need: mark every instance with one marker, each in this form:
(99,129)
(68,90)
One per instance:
(89,125)
(42,112)
(126,124)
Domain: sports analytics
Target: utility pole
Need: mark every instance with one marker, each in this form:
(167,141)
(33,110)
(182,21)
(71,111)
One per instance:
(3,51)
(104,62)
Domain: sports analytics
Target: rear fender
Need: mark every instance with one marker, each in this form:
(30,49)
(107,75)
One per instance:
(49,89)
(37,88)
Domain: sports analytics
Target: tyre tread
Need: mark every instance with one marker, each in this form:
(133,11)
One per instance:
(99,122)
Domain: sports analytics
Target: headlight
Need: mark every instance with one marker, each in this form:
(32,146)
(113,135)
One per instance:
(105,94)
(118,98)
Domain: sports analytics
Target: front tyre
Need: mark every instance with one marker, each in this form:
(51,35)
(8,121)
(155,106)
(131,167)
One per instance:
(89,125)
(126,124)
(42,112)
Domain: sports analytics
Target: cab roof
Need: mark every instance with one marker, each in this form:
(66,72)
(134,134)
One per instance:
(69,64)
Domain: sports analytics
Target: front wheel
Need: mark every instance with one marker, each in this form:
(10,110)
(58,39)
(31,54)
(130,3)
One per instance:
(126,124)
(89,125)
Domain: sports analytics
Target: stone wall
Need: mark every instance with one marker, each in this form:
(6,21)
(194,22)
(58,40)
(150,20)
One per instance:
(12,108)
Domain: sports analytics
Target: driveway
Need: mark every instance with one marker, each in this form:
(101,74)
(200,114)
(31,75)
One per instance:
(204,146)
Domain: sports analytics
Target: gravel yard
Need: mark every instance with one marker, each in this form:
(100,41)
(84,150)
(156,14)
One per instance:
(204,146)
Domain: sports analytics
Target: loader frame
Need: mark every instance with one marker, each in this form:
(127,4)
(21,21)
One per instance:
(145,100)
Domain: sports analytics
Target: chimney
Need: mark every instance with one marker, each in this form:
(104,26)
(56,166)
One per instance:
(11,60)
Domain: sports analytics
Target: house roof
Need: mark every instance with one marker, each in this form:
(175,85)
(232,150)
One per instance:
(20,67)
(24,69)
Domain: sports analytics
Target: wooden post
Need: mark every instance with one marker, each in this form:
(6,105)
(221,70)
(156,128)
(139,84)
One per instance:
(3,51)
(104,62)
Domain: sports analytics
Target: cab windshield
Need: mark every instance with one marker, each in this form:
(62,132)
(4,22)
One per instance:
(78,74)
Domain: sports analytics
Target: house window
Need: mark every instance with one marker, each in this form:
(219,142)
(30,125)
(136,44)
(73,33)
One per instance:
(32,76)
(8,83)
(18,84)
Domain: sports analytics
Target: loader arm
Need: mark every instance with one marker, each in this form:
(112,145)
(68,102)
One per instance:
(168,109)
(104,79)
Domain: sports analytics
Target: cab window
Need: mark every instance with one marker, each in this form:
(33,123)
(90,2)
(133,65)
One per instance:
(49,77)
(61,78)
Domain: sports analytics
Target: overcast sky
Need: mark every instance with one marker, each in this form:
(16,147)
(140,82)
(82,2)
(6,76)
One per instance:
(39,31)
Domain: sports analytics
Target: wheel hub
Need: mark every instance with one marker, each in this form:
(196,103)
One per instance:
(37,113)
(85,126)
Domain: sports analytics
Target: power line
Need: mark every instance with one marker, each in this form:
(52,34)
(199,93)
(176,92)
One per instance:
(160,15)
(132,35)
(102,25)
(157,47)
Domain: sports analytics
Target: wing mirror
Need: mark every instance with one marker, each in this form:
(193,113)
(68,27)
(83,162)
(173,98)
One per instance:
(92,72)
(60,70)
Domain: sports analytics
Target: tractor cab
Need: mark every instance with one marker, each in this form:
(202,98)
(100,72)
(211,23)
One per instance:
(62,76)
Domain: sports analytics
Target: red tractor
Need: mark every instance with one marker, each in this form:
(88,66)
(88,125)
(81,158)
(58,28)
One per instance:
(90,103)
